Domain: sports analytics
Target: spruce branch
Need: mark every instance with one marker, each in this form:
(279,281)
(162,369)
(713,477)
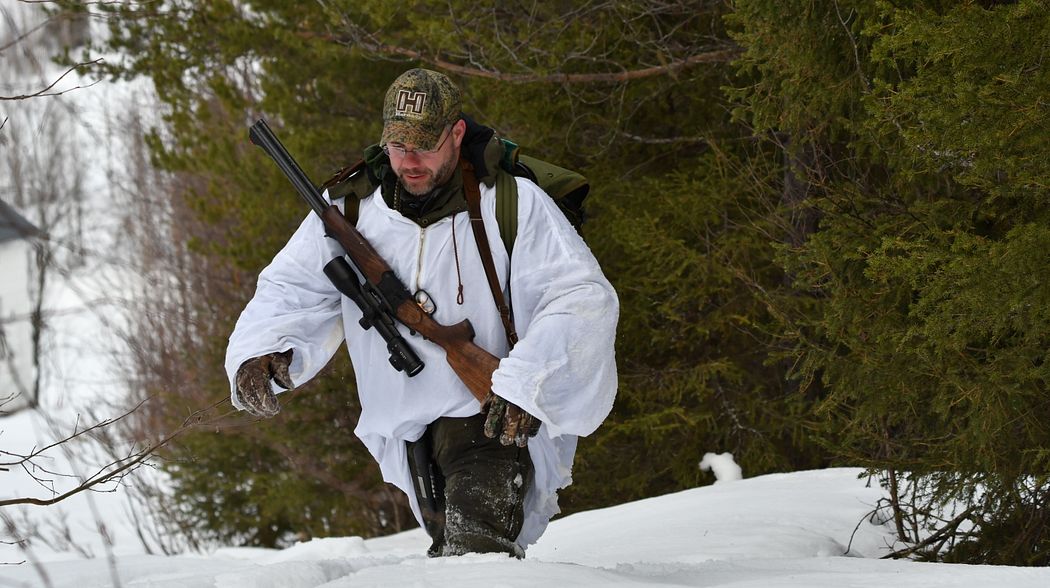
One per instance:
(721,55)
(664,140)
(942,535)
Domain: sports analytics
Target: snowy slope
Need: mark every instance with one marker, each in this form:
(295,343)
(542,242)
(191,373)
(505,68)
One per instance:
(779,530)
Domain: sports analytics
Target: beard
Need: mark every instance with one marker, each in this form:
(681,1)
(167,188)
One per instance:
(428,179)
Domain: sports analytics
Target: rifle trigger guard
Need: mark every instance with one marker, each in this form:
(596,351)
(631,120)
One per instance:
(424,301)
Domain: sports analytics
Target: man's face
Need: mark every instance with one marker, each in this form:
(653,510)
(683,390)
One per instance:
(421,172)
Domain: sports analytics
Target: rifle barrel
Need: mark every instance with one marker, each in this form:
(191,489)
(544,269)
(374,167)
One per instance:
(260,134)
(472,364)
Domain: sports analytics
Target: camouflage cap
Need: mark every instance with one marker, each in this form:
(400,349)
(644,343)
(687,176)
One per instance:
(418,106)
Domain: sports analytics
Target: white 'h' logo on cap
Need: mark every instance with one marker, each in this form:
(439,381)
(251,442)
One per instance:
(409,101)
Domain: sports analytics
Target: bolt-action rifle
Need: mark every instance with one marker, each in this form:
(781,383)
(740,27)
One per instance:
(381,296)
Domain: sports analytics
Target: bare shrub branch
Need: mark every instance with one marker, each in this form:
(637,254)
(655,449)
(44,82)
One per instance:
(47,91)
(112,472)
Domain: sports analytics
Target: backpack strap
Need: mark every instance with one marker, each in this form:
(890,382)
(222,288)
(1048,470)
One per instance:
(567,188)
(477,224)
(507,209)
(350,182)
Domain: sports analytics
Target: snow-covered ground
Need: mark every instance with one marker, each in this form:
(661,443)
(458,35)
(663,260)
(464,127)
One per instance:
(793,530)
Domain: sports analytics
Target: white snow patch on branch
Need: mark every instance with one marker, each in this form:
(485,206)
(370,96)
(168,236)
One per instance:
(723,466)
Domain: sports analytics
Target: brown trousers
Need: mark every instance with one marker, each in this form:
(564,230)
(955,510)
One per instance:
(472,491)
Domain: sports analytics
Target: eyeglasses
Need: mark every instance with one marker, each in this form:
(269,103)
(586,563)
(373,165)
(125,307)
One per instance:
(402,151)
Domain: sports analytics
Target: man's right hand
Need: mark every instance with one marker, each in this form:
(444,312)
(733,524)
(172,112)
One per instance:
(508,421)
(252,385)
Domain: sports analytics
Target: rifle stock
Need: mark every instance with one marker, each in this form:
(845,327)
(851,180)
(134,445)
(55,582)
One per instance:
(472,364)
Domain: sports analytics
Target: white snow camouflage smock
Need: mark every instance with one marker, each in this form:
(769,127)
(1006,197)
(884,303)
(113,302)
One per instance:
(562,370)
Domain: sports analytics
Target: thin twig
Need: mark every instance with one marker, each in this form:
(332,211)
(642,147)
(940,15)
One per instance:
(37,452)
(91,483)
(866,517)
(46,92)
(24,35)
(102,476)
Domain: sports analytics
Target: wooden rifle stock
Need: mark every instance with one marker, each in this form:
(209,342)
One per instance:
(471,363)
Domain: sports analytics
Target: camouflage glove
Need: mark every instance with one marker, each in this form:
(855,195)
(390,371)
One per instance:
(513,424)
(253,382)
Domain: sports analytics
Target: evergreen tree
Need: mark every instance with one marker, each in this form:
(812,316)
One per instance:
(825,221)
(630,94)
(920,133)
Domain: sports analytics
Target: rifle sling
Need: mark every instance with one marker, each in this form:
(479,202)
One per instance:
(473,195)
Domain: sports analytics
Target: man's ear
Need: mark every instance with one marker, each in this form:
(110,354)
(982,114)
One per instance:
(459,130)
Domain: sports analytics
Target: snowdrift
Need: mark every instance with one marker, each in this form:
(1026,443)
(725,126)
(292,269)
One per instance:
(803,529)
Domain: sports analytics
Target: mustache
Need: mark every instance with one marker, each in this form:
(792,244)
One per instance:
(414,171)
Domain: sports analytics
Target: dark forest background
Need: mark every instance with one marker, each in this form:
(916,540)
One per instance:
(826,221)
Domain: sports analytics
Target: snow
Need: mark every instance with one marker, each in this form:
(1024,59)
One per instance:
(723,465)
(789,530)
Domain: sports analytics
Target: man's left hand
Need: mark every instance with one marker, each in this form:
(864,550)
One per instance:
(509,421)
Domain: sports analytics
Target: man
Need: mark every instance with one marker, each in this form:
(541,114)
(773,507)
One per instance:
(480,478)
